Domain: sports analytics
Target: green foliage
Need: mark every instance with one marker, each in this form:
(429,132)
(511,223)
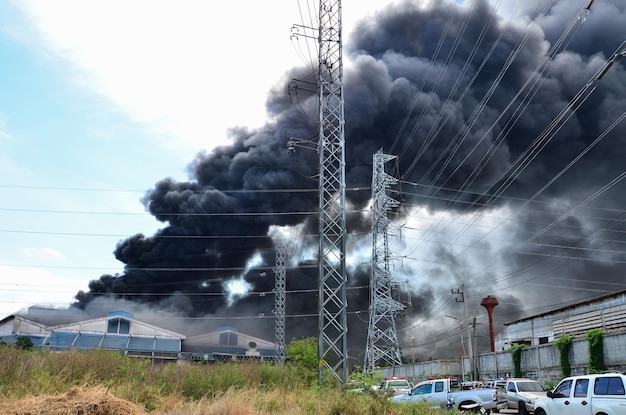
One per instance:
(596,350)
(564,344)
(302,353)
(355,404)
(369,379)
(516,351)
(24,343)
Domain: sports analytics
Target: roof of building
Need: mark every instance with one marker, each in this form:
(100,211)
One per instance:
(226,338)
(594,300)
(100,325)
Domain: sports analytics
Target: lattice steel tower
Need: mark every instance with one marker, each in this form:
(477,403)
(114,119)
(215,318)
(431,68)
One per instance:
(280,282)
(333,329)
(382,340)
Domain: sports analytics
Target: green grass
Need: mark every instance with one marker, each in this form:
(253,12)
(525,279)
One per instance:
(196,388)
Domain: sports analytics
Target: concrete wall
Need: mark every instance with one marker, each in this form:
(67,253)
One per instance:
(538,362)
(423,370)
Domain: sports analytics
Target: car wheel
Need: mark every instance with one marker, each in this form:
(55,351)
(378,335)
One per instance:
(522,410)
(540,411)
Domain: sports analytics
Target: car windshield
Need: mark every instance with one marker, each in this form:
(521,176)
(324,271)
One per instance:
(399,384)
(530,387)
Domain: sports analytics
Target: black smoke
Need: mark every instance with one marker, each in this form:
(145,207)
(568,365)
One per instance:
(412,84)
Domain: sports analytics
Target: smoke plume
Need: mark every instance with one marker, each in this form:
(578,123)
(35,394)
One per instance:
(491,197)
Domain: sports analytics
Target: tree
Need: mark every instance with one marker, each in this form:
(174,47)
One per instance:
(303,352)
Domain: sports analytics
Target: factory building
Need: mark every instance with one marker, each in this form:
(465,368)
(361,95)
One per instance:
(122,332)
(117,331)
(607,312)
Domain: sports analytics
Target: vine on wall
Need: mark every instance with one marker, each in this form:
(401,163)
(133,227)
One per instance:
(516,351)
(596,350)
(564,344)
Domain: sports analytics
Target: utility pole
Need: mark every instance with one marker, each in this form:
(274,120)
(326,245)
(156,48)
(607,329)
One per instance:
(470,346)
(382,339)
(333,327)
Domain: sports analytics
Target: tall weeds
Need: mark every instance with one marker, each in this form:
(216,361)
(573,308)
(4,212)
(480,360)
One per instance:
(185,389)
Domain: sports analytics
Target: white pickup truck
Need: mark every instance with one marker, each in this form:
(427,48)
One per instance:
(522,394)
(586,395)
(437,392)
(395,386)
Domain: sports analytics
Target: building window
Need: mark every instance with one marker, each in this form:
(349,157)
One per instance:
(118,326)
(543,340)
(228,339)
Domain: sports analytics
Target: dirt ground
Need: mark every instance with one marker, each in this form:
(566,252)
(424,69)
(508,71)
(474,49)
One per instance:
(77,401)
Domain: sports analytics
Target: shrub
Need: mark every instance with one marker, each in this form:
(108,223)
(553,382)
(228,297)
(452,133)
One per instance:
(24,343)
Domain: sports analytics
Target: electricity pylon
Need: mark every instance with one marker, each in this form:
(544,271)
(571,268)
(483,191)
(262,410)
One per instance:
(333,329)
(280,282)
(382,339)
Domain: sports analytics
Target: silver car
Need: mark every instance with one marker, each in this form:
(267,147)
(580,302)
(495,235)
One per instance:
(522,394)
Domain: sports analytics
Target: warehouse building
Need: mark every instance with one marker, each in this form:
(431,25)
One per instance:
(607,312)
(117,331)
(227,343)
(120,331)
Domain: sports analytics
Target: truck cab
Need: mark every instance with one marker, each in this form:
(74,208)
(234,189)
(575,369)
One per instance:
(586,395)
(522,394)
(396,386)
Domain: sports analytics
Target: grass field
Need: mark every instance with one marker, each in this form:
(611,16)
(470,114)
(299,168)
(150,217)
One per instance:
(99,382)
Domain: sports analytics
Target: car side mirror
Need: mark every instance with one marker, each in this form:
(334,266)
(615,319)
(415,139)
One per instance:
(550,394)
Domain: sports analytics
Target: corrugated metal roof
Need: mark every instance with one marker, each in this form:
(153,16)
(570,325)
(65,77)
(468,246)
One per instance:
(599,299)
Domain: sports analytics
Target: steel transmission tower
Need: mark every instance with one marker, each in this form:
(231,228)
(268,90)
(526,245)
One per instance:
(333,330)
(280,282)
(382,339)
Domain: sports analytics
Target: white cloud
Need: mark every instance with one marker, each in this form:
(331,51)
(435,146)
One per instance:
(4,132)
(41,253)
(34,286)
(189,69)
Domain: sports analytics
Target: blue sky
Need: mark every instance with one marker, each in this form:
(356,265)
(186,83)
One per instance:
(100,100)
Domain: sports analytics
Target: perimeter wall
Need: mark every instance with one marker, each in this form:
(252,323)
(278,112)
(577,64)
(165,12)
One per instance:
(538,362)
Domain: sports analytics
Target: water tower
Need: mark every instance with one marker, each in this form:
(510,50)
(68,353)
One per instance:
(490,303)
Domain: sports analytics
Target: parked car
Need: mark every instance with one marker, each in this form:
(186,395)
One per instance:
(586,395)
(440,393)
(496,383)
(522,394)
(472,384)
(396,386)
